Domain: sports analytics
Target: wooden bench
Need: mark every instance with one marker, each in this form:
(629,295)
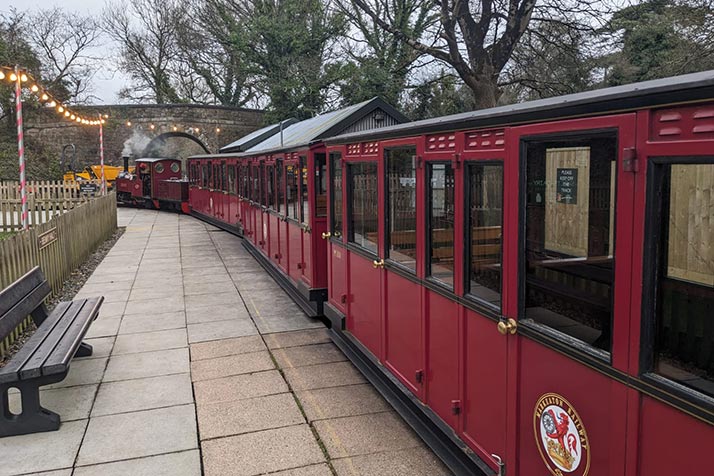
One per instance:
(45,357)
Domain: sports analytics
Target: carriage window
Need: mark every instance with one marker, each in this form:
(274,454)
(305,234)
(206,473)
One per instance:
(363,205)
(401,205)
(336,193)
(683,333)
(304,204)
(224,178)
(244,181)
(261,184)
(440,185)
(320,185)
(570,224)
(280,188)
(255,187)
(270,187)
(485,218)
(292,192)
(231,181)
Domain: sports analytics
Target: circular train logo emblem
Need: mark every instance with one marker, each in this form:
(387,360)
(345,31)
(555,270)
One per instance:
(560,436)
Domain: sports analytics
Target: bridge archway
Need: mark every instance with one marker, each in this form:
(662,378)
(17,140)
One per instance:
(154,147)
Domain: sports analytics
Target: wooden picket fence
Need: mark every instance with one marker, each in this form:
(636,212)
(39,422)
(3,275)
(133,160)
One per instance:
(45,199)
(58,246)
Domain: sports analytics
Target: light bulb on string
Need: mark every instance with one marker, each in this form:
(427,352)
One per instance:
(128,123)
(72,117)
(44,97)
(66,114)
(79,119)
(2,75)
(23,77)
(53,103)
(13,77)
(218,130)
(34,88)
(152,127)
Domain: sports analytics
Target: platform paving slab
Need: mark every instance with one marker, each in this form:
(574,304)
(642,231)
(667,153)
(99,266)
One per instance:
(287,322)
(210,288)
(104,327)
(365,434)
(335,374)
(261,452)
(147,364)
(202,301)
(185,463)
(336,402)
(308,355)
(220,330)
(101,347)
(216,312)
(38,452)
(238,387)
(248,415)
(61,472)
(294,339)
(83,372)
(226,347)
(312,470)
(149,306)
(143,394)
(157,321)
(138,434)
(231,365)
(112,309)
(71,403)
(410,462)
(150,341)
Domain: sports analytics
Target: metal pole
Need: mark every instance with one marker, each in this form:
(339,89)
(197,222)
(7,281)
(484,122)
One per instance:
(21,147)
(101,155)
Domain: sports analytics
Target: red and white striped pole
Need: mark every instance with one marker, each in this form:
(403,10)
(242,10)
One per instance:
(21,146)
(101,155)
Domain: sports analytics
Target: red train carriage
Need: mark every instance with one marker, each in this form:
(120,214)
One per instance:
(157,183)
(270,187)
(532,285)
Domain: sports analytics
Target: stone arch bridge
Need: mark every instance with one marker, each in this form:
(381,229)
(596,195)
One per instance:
(174,130)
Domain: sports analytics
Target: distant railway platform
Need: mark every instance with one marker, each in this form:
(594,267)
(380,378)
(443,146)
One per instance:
(203,365)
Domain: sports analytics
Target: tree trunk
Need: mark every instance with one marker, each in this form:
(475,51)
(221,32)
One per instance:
(485,91)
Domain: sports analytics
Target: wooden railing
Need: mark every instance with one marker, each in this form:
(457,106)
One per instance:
(58,246)
(44,201)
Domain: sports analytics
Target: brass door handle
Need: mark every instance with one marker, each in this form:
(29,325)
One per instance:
(507,326)
(378,264)
(326,235)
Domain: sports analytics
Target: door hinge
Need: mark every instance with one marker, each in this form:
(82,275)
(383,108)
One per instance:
(343,298)
(630,162)
(419,376)
(455,407)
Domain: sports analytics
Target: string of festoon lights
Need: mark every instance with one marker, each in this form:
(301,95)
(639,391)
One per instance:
(23,80)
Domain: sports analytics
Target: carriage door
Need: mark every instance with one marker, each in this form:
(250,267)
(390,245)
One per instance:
(571,336)
(401,291)
(266,176)
(364,309)
(336,252)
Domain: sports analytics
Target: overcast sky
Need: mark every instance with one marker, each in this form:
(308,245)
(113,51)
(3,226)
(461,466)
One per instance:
(106,83)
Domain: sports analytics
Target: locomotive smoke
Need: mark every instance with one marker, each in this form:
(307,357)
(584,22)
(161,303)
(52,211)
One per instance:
(135,144)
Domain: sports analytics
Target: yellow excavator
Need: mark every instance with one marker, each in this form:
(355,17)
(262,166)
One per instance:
(92,174)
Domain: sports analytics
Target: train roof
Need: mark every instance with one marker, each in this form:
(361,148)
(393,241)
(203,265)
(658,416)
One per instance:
(155,159)
(256,137)
(309,131)
(658,92)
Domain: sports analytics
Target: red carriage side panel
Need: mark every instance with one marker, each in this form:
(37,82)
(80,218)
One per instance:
(364,318)
(442,373)
(404,352)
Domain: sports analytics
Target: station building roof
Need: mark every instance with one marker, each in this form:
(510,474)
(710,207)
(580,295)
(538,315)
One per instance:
(256,137)
(366,115)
